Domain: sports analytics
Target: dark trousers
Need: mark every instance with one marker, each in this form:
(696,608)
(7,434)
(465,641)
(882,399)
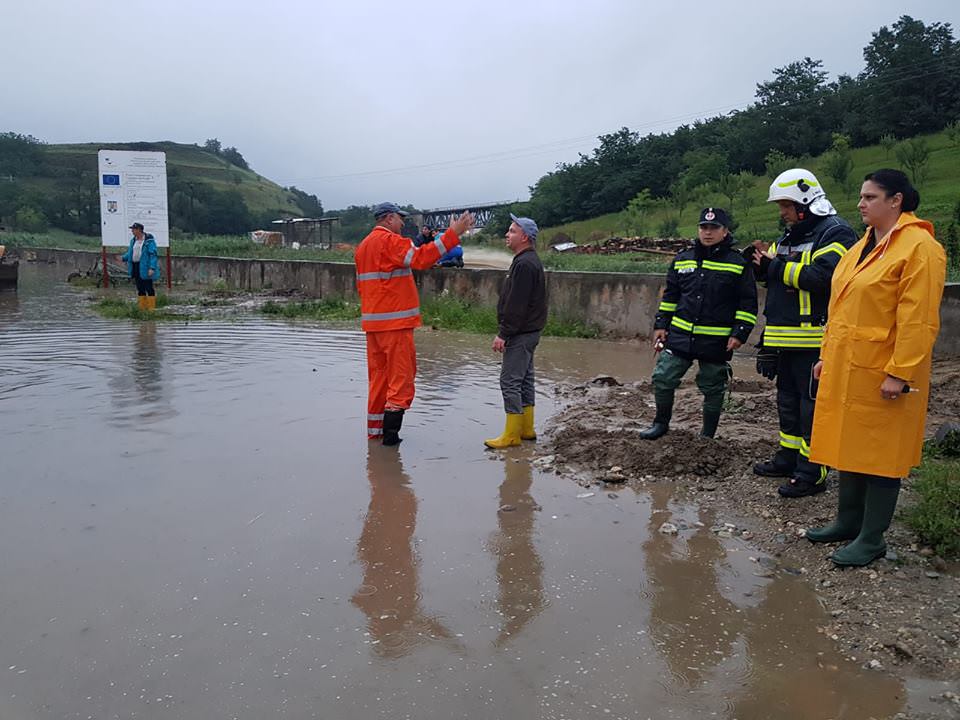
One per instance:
(795,410)
(711,379)
(144,287)
(516,372)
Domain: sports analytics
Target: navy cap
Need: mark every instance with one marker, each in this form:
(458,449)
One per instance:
(528,226)
(136,226)
(385,208)
(714,216)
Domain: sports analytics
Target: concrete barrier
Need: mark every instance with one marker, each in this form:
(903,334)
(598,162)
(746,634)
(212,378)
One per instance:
(619,304)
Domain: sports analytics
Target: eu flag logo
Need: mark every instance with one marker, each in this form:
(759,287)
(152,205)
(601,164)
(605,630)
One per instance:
(111,180)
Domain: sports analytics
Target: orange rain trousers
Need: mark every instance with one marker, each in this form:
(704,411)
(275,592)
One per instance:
(391,369)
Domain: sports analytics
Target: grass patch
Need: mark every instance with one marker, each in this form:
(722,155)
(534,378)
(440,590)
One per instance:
(117,308)
(328,309)
(936,515)
(201,245)
(452,313)
(625,262)
(442,313)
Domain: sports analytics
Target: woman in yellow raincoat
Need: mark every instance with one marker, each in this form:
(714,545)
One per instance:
(874,368)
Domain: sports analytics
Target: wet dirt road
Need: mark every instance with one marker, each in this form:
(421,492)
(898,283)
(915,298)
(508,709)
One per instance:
(194,525)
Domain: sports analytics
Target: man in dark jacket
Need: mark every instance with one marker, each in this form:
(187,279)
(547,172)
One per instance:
(708,310)
(797,271)
(521,315)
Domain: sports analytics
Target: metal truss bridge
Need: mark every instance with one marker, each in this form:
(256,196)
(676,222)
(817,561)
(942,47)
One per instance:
(442,217)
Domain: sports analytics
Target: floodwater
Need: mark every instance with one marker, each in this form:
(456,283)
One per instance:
(194,526)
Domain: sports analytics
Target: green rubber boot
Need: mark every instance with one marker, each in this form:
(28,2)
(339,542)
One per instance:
(851,495)
(661,421)
(711,418)
(877,514)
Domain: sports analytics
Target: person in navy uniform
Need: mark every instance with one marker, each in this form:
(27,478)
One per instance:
(708,310)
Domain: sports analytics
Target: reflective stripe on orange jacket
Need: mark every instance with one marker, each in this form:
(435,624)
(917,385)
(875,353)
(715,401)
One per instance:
(385,262)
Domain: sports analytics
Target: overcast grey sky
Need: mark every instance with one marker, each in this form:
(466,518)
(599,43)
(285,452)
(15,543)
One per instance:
(430,102)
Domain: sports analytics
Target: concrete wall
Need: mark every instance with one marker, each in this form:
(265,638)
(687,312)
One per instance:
(620,304)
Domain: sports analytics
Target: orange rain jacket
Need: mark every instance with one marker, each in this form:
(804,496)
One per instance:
(385,262)
(884,317)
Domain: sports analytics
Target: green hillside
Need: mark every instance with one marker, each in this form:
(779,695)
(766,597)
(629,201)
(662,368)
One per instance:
(939,194)
(194,164)
(210,191)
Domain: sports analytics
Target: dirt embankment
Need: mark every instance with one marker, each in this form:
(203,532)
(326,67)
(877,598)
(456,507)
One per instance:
(901,613)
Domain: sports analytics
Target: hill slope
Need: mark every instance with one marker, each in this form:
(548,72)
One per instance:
(56,185)
(939,193)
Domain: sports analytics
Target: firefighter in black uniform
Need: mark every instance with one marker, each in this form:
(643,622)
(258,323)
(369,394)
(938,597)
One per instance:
(797,270)
(708,310)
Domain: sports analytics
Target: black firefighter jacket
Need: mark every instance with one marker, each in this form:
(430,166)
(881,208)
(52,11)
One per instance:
(710,296)
(798,281)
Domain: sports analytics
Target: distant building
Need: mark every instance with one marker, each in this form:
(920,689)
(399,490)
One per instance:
(317,232)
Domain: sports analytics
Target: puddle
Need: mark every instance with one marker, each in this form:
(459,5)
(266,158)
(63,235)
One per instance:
(196,526)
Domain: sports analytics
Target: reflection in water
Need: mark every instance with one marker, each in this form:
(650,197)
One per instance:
(519,568)
(390,595)
(138,394)
(784,684)
(711,645)
(693,623)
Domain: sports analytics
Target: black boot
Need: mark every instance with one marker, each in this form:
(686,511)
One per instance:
(392,420)
(711,418)
(783,464)
(661,422)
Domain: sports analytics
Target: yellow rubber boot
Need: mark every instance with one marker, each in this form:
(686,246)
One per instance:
(151,302)
(526,431)
(511,433)
(141,302)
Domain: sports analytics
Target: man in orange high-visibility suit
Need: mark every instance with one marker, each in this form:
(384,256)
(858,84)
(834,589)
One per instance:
(390,310)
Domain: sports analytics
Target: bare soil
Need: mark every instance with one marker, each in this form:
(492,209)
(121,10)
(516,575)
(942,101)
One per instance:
(902,611)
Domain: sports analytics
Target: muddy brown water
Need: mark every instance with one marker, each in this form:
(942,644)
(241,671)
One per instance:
(194,525)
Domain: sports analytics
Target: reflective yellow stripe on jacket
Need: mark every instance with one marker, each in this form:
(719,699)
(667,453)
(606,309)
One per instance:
(789,336)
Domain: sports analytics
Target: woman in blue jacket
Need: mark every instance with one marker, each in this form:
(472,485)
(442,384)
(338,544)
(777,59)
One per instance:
(141,259)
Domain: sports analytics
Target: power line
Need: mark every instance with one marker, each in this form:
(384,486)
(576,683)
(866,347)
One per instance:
(885,79)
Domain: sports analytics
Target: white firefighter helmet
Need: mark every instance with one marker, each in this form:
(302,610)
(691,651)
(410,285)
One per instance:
(801,186)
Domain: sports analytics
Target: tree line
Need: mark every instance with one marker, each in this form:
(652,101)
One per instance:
(910,85)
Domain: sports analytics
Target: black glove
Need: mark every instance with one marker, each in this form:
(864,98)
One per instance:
(767,361)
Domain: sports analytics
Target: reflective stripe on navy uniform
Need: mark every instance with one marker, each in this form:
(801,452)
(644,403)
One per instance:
(710,296)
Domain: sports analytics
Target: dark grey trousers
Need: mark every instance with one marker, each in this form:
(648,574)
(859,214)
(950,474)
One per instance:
(516,372)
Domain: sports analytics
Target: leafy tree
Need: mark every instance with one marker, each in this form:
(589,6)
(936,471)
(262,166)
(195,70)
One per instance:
(637,213)
(838,162)
(233,156)
(734,187)
(309,204)
(669,227)
(914,157)
(30,219)
(9,200)
(212,145)
(776,162)
(220,212)
(792,106)
(888,142)
(20,155)
(952,245)
(703,168)
(953,133)
(912,78)
(680,196)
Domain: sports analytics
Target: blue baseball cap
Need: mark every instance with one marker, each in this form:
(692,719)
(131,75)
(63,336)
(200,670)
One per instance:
(528,226)
(385,208)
